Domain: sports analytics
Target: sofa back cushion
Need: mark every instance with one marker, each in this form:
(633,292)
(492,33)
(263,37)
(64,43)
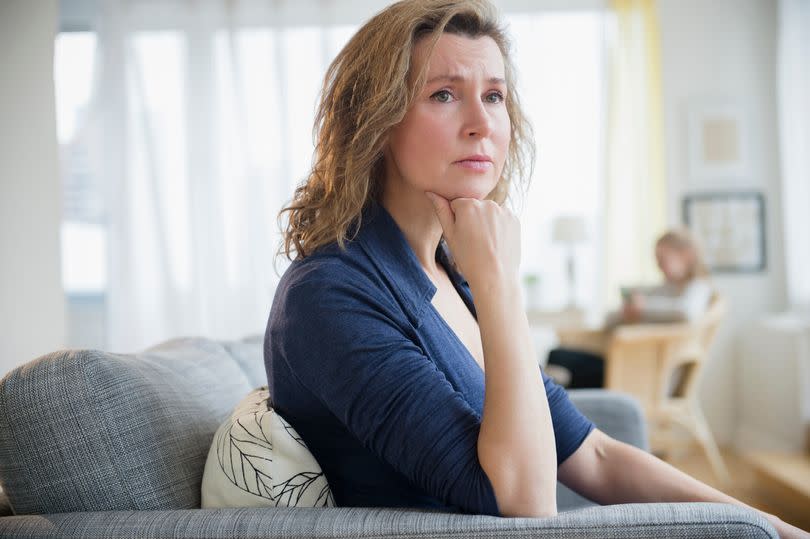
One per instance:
(248,353)
(85,430)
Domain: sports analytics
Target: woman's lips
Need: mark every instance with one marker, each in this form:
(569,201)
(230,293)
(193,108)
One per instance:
(474,164)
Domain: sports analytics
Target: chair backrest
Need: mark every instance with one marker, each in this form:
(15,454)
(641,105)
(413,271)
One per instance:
(86,430)
(714,316)
(684,370)
(656,362)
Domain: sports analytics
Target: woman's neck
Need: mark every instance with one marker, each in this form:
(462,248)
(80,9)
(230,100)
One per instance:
(414,214)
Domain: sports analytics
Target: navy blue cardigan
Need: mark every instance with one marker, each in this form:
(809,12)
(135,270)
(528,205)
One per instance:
(385,395)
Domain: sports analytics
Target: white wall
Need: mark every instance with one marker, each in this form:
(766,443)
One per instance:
(727,49)
(32,310)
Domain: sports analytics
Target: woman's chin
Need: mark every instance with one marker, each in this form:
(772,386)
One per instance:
(472,190)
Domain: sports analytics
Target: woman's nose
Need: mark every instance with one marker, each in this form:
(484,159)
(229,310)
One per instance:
(477,121)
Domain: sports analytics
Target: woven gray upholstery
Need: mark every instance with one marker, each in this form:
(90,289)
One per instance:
(85,430)
(626,521)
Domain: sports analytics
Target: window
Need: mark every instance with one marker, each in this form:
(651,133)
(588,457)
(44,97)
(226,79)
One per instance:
(83,234)
(266,133)
(559,57)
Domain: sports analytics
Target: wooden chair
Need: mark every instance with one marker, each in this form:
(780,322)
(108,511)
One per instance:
(660,365)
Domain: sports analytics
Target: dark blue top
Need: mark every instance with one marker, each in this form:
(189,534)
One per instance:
(385,395)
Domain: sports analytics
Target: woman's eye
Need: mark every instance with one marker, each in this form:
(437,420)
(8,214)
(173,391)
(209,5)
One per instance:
(495,97)
(442,96)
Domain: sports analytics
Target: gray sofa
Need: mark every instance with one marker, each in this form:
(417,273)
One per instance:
(97,444)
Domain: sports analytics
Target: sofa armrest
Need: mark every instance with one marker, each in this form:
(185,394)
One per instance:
(617,414)
(610,521)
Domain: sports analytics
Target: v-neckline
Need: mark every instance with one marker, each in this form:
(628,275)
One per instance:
(455,280)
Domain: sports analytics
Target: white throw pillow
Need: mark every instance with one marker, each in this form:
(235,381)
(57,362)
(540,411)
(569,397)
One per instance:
(258,460)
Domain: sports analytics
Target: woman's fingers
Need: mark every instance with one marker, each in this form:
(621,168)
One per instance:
(483,236)
(444,212)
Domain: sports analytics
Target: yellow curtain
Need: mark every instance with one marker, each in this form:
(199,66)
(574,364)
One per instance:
(635,203)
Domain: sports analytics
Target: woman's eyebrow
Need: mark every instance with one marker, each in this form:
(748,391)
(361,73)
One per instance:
(457,78)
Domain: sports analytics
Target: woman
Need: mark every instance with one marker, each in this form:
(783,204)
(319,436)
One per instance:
(406,391)
(684,295)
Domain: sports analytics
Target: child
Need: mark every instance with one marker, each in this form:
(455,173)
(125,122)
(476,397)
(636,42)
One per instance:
(683,296)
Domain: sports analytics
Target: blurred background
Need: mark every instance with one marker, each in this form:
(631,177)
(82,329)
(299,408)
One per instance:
(148,146)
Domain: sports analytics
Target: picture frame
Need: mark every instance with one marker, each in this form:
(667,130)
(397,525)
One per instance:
(717,141)
(730,227)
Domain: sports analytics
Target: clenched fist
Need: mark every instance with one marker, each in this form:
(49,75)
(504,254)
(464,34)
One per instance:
(483,237)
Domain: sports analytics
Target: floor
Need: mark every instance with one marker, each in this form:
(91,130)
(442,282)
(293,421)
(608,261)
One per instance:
(777,484)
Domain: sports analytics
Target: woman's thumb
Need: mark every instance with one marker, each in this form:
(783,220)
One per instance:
(443,211)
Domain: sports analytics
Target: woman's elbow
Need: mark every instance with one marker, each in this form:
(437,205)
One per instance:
(529,504)
(524,484)
(519,497)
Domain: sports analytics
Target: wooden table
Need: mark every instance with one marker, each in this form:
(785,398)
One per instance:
(660,365)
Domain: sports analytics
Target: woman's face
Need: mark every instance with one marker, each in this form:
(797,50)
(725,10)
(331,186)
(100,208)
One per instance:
(453,141)
(673,263)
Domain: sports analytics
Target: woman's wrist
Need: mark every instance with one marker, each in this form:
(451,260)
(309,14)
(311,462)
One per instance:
(496,283)
(784,529)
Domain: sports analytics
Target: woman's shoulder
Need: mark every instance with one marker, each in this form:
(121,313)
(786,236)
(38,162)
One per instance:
(325,266)
(329,273)
(330,294)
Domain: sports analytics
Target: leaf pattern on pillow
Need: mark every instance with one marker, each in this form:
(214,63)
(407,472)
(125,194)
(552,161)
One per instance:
(293,488)
(244,452)
(291,431)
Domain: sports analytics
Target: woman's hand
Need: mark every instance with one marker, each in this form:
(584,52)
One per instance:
(784,529)
(483,237)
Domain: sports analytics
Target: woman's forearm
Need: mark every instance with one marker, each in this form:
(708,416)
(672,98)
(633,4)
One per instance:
(516,445)
(631,475)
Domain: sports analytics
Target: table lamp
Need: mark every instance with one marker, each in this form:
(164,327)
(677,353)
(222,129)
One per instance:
(570,230)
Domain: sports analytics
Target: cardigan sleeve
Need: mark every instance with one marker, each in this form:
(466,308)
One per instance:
(343,344)
(571,426)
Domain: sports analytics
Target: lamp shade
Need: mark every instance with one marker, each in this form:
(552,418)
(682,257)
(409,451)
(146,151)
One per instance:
(569,229)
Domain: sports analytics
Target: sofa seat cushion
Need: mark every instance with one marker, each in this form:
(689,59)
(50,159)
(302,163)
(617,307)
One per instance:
(258,460)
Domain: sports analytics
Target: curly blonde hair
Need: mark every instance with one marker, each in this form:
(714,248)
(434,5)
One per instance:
(365,94)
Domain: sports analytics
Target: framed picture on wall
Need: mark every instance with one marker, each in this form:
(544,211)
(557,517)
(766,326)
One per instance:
(717,139)
(730,227)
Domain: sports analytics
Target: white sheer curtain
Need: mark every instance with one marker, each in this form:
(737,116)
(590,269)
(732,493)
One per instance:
(635,186)
(201,123)
(560,57)
(204,129)
(794,131)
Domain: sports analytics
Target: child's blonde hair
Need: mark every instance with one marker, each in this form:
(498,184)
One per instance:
(683,240)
